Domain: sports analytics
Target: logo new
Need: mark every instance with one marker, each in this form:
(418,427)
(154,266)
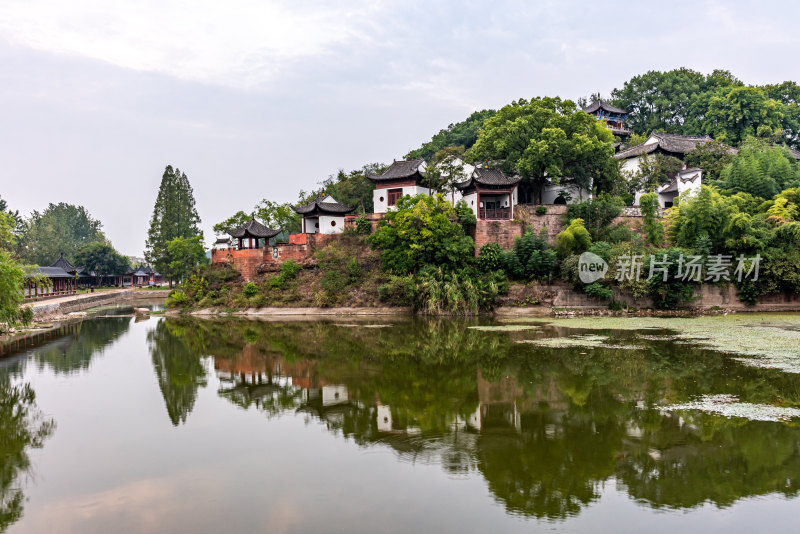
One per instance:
(591,267)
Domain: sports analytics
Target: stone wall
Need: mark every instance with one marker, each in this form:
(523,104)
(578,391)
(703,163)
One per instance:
(708,297)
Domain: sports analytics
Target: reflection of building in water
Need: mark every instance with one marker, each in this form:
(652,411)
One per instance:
(267,380)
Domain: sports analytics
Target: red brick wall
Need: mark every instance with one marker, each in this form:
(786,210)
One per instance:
(503,232)
(245,261)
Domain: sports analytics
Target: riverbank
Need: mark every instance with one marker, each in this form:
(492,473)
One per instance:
(533,300)
(59,309)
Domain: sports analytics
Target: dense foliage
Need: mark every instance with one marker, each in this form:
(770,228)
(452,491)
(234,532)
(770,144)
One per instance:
(462,134)
(423,230)
(548,139)
(61,228)
(174,216)
(102,258)
(691,103)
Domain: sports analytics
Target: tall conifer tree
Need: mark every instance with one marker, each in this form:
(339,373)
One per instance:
(174,215)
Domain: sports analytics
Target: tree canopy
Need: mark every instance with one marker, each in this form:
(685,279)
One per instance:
(463,134)
(423,230)
(102,258)
(548,139)
(59,228)
(688,102)
(174,216)
(761,170)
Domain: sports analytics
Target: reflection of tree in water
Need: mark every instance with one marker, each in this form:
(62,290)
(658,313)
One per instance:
(545,427)
(22,428)
(178,368)
(679,464)
(74,352)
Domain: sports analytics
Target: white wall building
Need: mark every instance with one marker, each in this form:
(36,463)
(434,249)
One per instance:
(323,215)
(400,179)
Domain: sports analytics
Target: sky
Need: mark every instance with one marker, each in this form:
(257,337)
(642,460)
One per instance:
(257,99)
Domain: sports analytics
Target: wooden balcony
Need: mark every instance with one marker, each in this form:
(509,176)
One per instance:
(494,213)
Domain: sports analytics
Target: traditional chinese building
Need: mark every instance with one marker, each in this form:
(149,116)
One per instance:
(253,235)
(686,180)
(490,193)
(400,179)
(323,215)
(613,117)
(63,280)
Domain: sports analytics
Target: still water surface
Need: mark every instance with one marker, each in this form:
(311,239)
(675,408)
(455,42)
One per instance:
(180,425)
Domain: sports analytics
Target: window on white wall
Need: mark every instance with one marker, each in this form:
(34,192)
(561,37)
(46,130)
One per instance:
(394,196)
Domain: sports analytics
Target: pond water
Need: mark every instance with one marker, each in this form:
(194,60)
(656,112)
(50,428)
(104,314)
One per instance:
(182,425)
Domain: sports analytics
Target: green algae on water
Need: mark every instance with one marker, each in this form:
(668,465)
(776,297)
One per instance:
(729,406)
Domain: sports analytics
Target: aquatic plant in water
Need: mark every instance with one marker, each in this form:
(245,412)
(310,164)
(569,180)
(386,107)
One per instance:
(729,406)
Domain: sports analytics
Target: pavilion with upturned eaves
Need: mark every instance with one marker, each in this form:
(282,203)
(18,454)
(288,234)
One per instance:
(253,235)
(613,117)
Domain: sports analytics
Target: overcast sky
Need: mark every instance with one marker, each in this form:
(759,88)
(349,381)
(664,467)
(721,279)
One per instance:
(255,99)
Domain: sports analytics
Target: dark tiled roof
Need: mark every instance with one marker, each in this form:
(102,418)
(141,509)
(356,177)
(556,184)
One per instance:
(50,272)
(64,264)
(398,170)
(222,240)
(319,205)
(254,229)
(599,104)
(494,177)
(671,188)
(675,143)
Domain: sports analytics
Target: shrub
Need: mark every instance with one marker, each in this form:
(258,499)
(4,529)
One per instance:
(354,271)
(653,229)
(26,315)
(599,291)
(490,257)
(289,269)
(597,214)
(398,291)
(363,226)
(541,210)
(176,298)
(422,231)
(574,239)
(250,290)
(534,257)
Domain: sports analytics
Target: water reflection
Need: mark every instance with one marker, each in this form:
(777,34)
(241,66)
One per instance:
(73,351)
(178,369)
(545,427)
(22,428)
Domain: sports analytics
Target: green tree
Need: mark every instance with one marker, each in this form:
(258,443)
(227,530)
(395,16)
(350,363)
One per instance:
(653,229)
(761,170)
(174,216)
(446,170)
(102,258)
(349,188)
(278,216)
(423,230)
(184,254)
(712,157)
(548,139)
(732,114)
(597,214)
(653,172)
(662,100)
(233,222)
(59,228)
(12,274)
(462,134)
